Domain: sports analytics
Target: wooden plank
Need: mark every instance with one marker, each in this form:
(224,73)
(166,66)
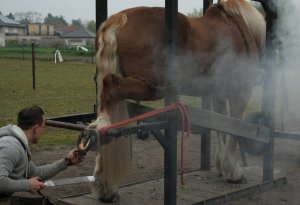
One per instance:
(287,135)
(201,187)
(229,125)
(201,119)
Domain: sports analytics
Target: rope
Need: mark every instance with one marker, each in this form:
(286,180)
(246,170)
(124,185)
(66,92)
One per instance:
(183,114)
(184,120)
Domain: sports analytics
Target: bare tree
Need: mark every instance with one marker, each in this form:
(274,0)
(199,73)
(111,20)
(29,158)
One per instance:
(28,17)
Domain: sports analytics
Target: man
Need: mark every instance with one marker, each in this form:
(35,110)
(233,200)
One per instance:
(17,171)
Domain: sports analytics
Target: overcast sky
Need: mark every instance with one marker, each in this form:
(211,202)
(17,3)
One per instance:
(84,9)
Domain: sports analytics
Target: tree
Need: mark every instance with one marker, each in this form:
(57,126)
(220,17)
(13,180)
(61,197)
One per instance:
(55,20)
(195,13)
(77,22)
(11,16)
(28,17)
(91,26)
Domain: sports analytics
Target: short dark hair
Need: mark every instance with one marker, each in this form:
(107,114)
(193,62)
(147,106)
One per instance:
(29,116)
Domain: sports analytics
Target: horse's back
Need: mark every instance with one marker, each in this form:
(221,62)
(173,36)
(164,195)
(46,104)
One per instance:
(207,48)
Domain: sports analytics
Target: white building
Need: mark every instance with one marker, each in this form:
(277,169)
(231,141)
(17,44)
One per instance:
(2,37)
(9,27)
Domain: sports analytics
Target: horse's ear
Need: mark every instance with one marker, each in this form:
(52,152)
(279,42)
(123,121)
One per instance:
(110,79)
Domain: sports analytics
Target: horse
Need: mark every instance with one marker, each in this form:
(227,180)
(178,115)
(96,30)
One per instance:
(217,54)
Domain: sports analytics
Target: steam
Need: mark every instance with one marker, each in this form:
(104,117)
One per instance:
(289,30)
(288,97)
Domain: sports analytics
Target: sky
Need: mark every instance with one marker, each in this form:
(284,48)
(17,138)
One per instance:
(85,9)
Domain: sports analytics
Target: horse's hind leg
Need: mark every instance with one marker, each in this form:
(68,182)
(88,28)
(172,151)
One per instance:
(113,159)
(219,106)
(117,88)
(231,167)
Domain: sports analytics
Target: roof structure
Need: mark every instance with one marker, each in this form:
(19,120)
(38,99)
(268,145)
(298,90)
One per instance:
(5,21)
(79,33)
(63,29)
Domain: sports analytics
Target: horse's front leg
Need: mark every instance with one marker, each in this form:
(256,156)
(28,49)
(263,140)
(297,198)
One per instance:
(219,106)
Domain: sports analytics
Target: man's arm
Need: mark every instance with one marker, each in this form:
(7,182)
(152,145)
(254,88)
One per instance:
(10,155)
(46,171)
(10,185)
(49,170)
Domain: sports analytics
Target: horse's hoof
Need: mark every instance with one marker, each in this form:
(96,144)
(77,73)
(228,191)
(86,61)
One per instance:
(241,180)
(111,199)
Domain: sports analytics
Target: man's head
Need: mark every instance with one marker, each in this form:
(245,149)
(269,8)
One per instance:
(31,121)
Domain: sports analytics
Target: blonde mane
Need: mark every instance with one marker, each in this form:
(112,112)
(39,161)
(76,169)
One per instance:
(252,17)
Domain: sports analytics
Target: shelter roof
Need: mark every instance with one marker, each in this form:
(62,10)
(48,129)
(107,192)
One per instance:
(79,33)
(5,21)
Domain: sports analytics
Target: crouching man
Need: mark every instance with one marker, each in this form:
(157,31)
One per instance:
(17,171)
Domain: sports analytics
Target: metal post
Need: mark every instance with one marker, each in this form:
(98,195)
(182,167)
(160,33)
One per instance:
(33,65)
(206,4)
(205,137)
(268,104)
(101,16)
(170,167)
(23,45)
(101,12)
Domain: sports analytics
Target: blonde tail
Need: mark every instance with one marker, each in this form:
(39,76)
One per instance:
(113,160)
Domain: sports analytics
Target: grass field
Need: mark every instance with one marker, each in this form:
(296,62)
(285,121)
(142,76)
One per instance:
(61,89)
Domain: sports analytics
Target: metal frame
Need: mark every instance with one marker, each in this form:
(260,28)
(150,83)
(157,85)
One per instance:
(268,106)
(169,141)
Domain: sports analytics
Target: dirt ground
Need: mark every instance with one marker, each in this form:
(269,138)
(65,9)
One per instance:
(148,163)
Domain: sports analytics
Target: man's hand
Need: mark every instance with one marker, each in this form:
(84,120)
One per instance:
(75,157)
(35,184)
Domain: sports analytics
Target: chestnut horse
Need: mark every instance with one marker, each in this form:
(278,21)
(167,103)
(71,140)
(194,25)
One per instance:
(217,54)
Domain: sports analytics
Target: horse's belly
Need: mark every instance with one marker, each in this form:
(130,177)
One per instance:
(195,87)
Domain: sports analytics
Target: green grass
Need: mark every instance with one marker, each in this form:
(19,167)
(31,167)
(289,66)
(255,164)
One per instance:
(61,89)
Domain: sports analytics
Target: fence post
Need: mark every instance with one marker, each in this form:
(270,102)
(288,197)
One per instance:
(268,106)
(23,45)
(33,65)
(205,137)
(170,165)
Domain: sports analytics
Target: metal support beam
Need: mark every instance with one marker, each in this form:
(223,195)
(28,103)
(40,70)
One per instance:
(206,4)
(205,138)
(101,12)
(82,118)
(268,105)
(170,160)
(101,16)
(65,125)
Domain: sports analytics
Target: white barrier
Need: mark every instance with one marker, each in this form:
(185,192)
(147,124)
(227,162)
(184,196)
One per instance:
(82,48)
(58,57)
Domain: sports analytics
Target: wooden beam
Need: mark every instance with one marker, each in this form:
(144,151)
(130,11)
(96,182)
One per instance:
(229,125)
